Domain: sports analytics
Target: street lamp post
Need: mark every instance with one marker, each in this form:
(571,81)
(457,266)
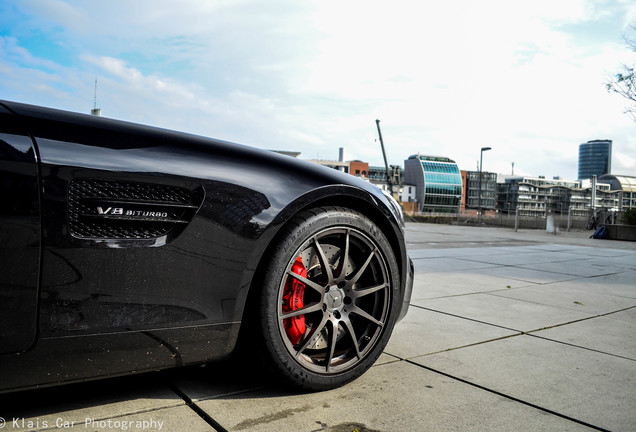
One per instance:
(481,158)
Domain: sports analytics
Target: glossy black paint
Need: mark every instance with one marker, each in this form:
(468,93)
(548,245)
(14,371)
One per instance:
(19,235)
(110,306)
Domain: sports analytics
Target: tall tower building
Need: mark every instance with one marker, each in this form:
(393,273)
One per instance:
(595,158)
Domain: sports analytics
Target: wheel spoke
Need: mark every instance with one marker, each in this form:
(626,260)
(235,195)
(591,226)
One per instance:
(315,334)
(311,284)
(344,259)
(363,268)
(332,343)
(356,294)
(302,311)
(324,264)
(356,310)
(352,333)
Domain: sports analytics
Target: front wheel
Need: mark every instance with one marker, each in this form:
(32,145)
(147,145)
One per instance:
(329,299)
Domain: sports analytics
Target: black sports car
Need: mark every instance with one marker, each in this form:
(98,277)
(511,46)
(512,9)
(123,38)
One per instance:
(126,248)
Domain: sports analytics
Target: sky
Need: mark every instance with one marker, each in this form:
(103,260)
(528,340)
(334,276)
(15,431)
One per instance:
(526,78)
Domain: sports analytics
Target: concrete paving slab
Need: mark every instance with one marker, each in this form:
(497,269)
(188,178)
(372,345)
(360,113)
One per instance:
(590,386)
(388,398)
(586,248)
(425,332)
(132,398)
(554,247)
(524,256)
(385,359)
(526,275)
(628,262)
(227,378)
(618,284)
(420,234)
(602,334)
(578,297)
(423,265)
(441,252)
(578,268)
(215,380)
(603,249)
(518,315)
(434,285)
(628,315)
(180,418)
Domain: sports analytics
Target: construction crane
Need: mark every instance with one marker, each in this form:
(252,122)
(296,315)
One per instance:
(386,165)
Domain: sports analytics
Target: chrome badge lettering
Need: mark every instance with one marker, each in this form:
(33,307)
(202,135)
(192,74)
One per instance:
(146,213)
(135,213)
(110,210)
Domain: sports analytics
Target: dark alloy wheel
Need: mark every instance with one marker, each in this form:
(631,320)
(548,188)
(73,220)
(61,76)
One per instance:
(328,303)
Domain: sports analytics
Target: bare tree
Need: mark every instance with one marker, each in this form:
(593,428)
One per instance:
(624,82)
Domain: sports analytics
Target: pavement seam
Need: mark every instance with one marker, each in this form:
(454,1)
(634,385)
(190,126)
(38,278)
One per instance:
(454,348)
(575,321)
(577,276)
(497,293)
(580,347)
(516,266)
(512,398)
(525,267)
(530,333)
(525,333)
(197,409)
(229,394)
(471,319)
(617,311)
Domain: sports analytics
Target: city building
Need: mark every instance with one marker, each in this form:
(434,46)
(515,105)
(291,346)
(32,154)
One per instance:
(437,181)
(404,193)
(359,168)
(334,164)
(407,193)
(377,174)
(595,158)
(626,185)
(355,167)
(471,188)
(536,197)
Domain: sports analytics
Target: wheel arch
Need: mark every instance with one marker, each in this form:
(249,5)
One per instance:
(370,210)
(338,196)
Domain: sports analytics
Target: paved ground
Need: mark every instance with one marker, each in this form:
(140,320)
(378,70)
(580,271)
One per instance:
(507,331)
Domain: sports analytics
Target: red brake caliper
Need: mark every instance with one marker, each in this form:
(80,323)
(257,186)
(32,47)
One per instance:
(292,300)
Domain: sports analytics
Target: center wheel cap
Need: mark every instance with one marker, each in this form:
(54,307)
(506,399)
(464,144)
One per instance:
(334,299)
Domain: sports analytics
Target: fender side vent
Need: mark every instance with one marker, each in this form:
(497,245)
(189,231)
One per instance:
(107,209)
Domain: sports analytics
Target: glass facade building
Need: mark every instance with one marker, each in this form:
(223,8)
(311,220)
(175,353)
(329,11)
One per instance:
(595,158)
(438,182)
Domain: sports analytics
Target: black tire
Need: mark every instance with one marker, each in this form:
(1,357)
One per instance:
(348,307)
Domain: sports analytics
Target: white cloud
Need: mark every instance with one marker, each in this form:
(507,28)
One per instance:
(446,78)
